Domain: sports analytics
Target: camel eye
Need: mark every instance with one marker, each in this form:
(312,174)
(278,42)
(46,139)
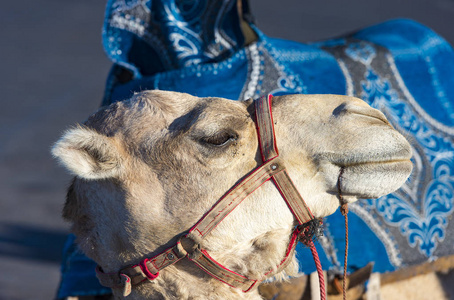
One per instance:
(220,139)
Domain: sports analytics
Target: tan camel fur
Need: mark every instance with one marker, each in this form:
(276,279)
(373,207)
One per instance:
(148,168)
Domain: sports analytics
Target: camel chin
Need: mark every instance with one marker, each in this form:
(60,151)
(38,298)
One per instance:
(367,180)
(375,179)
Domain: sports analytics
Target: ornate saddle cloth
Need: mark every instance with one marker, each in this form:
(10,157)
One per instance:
(400,67)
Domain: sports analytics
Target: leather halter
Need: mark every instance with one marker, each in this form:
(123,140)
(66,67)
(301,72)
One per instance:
(272,168)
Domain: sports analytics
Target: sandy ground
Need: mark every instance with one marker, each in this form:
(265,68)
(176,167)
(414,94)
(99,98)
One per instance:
(53,74)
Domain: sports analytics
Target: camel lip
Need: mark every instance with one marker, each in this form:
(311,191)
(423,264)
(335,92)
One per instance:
(344,160)
(396,171)
(379,162)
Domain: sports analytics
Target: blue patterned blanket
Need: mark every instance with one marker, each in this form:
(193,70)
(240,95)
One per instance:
(400,67)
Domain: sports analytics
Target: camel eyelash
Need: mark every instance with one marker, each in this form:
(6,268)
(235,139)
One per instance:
(220,139)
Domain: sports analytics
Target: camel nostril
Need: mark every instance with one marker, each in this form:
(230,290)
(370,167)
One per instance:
(340,110)
(366,111)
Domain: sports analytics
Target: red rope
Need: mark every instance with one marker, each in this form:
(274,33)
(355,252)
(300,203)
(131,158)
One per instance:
(318,265)
(344,211)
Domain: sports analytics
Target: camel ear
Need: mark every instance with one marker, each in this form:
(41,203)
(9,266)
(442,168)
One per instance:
(88,154)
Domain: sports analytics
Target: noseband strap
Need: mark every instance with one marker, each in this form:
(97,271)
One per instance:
(272,168)
(269,151)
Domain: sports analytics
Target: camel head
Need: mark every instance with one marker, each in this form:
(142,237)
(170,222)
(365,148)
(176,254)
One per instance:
(147,169)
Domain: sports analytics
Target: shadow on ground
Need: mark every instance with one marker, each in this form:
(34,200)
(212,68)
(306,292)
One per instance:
(31,243)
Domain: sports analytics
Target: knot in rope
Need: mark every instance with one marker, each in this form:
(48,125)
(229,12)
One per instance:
(310,231)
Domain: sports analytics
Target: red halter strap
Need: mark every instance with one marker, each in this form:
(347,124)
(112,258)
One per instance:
(272,168)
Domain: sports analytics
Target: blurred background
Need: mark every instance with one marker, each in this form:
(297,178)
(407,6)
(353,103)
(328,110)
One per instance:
(54,70)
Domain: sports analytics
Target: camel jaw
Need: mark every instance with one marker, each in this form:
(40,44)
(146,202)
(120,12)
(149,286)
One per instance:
(366,179)
(374,179)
